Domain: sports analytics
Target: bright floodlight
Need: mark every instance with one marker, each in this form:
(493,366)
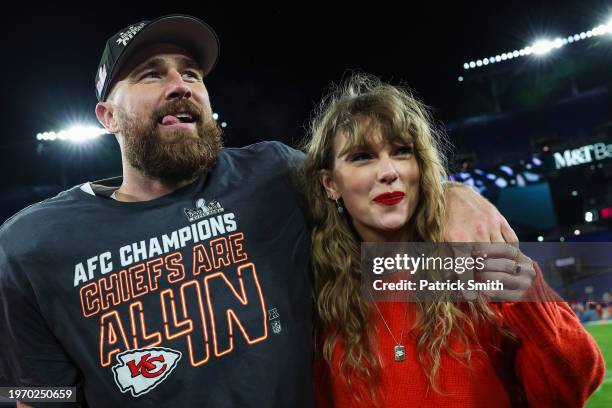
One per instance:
(215,116)
(542,47)
(74,134)
(223,124)
(599,30)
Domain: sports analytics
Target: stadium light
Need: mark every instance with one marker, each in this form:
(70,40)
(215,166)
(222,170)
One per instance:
(543,46)
(77,134)
(501,183)
(506,169)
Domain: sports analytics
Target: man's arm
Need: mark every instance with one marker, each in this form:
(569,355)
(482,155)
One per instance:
(472,218)
(31,356)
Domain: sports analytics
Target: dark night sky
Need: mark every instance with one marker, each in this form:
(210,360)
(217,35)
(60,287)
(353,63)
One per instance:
(276,58)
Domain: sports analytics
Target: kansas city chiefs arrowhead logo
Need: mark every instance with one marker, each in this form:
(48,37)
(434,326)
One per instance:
(141,370)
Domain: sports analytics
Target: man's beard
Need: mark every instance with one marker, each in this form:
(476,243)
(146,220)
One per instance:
(178,154)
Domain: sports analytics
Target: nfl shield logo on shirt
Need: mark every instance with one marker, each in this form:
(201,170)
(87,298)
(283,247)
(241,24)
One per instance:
(141,370)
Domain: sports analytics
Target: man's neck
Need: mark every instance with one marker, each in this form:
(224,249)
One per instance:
(138,187)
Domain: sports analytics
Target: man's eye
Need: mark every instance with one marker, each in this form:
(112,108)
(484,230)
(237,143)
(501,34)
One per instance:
(192,74)
(404,150)
(150,74)
(359,156)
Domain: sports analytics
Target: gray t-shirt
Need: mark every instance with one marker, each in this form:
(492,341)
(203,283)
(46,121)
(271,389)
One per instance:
(197,298)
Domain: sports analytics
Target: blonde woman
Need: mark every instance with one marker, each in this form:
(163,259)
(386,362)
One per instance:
(372,174)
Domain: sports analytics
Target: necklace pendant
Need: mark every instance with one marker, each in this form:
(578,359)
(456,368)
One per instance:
(399,352)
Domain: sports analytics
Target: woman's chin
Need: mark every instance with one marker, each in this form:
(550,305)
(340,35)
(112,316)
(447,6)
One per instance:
(393,224)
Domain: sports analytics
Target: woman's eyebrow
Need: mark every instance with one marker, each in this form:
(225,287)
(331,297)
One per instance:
(348,149)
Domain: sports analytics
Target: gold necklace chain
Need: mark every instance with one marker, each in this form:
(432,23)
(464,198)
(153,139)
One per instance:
(399,350)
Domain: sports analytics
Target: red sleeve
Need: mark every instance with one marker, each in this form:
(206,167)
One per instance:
(558,363)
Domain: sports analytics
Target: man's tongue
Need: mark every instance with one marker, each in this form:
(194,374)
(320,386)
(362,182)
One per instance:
(170,120)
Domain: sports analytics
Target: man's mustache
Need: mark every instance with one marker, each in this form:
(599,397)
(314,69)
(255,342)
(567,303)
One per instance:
(179,106)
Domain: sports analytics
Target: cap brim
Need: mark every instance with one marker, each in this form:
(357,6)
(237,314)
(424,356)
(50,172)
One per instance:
(193,34)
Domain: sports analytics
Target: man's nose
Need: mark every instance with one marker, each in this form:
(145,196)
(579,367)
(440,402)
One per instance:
(177,88)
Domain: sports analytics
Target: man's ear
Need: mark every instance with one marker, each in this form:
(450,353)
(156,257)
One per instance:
(106,117)
(329,184)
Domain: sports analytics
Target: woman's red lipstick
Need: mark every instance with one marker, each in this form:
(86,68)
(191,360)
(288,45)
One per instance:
(389,198)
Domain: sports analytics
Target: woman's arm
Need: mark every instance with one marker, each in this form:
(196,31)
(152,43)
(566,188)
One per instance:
(558,362)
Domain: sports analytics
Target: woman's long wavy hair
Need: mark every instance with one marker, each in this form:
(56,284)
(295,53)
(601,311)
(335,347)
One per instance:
(342,314)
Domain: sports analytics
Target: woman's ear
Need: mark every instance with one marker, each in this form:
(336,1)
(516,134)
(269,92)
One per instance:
(329,184)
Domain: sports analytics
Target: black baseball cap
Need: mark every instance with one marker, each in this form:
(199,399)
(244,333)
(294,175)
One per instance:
(189,32)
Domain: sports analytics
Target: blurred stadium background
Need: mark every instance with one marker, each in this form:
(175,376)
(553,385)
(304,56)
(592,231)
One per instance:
(539,145)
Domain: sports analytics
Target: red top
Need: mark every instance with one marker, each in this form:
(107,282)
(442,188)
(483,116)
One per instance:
(556,363)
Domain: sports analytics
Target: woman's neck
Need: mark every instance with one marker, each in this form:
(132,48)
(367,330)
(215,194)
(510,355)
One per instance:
(371,235)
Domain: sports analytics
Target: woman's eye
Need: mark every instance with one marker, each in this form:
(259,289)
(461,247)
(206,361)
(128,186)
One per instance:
(404,150)
(360,156)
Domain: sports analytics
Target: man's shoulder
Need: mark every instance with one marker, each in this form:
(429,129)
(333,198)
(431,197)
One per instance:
(270,150)
(35,218)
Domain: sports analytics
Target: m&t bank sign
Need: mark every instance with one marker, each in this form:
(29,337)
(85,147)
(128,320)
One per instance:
(582,155)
